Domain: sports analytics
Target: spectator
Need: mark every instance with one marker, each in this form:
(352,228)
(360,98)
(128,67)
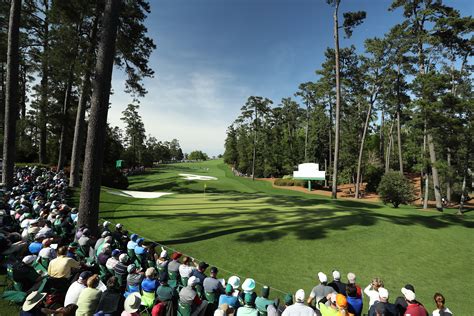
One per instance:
(132,305)
(212,285)
(336,284)
(105,254)
(75,289)
(319,291)
(400,303)
(199,272)
(101,240)
(228,298)
(371,290)
(139,249)
(25,274)
(60,268)
(354,302)
(165,292)
(174,264)
(414,308)
(163,260)
(262,302)
(351,279)
(440,310)
(112,300)
(132,242)
(89,298)
(134,277)
(113,260)
(36,245)
(32,305)
(188,295)
(383,306)
(150,283)
(186,269)
(47,252)
(235,282)
(121,266)
(249,307)
(298,308)
(288,299)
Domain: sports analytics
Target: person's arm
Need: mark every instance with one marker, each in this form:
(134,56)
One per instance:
(311,297)
(367,289)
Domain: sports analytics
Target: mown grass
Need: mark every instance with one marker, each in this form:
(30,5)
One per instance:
(283,238)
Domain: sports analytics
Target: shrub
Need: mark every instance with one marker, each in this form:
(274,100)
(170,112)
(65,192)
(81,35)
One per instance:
(289,183)
(395,188)
(114,178)
(287,177)
(373,176)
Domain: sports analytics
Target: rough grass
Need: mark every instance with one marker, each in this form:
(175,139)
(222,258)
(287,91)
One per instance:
(283,238)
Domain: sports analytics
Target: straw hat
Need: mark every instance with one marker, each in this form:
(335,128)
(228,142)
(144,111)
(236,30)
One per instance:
(132,302)
(32,300)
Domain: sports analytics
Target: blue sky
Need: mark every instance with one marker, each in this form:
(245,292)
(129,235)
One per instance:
(213,54)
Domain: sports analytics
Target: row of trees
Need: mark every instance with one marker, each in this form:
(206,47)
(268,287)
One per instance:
(404,104)
(59,60)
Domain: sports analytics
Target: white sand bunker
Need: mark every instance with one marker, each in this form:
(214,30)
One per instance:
(188,176)
(138,194)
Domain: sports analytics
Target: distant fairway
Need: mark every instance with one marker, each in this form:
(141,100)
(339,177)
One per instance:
(283,238)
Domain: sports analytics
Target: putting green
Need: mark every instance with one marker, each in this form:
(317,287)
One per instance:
(283,238)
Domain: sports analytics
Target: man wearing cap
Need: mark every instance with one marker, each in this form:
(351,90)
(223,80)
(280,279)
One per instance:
(319,291)
(113,260)
(336,284)
(76,288)
(299,308)
(187,267)
(36,245)
(383,305)
(199,272)
(132,243)
(188,295)
(121,267)
(165,292)
(25,274)
(101,240)
(414,308)
(401,303)
(173,265)
(47,252)
(211,284)
(261,302)
(249,308)
(228,298)
(118,233)
(134,278)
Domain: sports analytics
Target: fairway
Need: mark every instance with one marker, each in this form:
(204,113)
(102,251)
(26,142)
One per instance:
(283,238)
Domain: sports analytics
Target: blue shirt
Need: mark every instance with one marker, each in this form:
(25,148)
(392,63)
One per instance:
(354,305)
(139,250)
(131,245)
(231,300)
(35,247)
(149,285)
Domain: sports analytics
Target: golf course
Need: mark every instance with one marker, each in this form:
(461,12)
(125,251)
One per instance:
(283,238)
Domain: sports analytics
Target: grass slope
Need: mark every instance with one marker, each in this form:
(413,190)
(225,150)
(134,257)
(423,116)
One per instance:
(283,238)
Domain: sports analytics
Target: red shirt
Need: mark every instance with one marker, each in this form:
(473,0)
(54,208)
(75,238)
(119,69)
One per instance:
(415,310)
(158,310)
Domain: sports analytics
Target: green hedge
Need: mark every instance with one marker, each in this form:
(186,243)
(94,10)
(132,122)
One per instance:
(289,182)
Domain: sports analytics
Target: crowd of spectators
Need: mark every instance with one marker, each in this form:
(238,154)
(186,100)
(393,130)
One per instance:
(60,268)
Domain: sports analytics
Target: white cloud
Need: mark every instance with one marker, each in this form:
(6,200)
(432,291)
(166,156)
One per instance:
(196,107)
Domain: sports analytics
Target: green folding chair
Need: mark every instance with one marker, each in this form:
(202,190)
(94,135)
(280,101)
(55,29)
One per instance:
(184,309)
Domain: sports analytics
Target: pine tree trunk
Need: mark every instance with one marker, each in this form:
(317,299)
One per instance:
(306,135)
(11,98)
(399,136)
(338,102)
(330,134)
(254,154)
(389,149)
(44,87)
(62,138)
(381,136)
(361,151)
(90,191)
(434,171)
(448,178)
(79,128)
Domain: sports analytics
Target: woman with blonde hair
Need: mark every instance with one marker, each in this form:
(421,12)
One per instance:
(372,290)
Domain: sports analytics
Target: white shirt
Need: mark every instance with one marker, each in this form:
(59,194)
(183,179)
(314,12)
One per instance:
(185,270)
(372,294)
(73,293)
(110,263)
(298,309)
(436,311)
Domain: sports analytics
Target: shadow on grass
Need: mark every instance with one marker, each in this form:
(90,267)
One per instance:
(273,224)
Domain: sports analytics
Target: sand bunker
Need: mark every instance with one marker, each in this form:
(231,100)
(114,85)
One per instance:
(138,194)
(188,176)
